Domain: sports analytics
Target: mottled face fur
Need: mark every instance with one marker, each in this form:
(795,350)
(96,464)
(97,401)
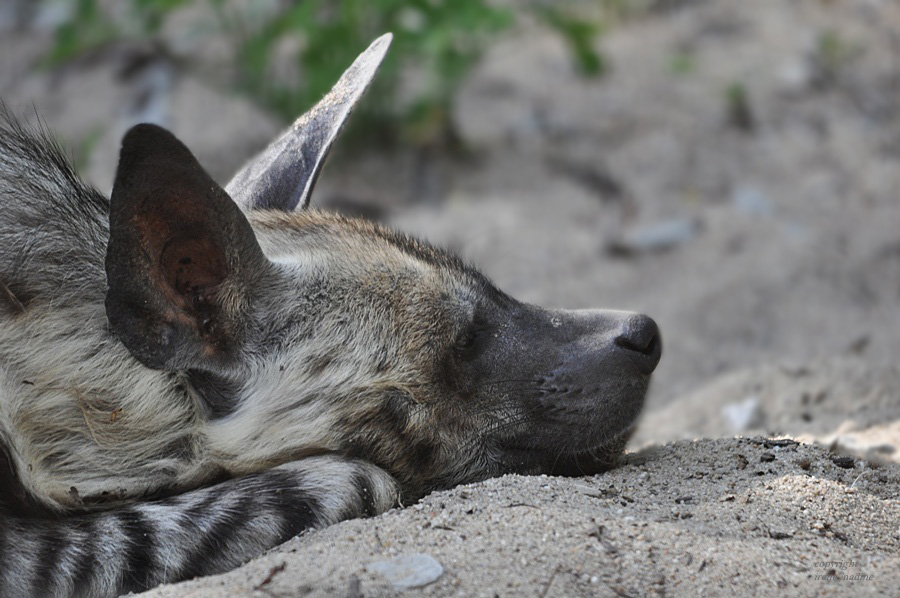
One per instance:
(305,332)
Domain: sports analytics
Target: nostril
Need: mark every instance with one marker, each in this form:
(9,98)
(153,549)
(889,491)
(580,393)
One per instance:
(641,336)
(644,348)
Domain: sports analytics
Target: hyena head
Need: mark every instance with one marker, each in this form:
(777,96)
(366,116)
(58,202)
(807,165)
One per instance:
(302,332)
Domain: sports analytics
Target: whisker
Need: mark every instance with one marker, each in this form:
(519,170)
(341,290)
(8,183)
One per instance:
(12,297)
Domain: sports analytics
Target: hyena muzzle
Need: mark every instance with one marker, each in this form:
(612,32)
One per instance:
(190,375)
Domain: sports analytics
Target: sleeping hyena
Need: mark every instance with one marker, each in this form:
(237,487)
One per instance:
(190,375)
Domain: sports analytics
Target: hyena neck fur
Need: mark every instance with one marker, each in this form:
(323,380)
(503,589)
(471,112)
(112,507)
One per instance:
(83,421)
(69,391)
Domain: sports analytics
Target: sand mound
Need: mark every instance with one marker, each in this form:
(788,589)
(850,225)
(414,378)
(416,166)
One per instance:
(750,514)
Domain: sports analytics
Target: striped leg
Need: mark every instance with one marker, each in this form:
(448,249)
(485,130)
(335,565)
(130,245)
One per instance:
(202,532)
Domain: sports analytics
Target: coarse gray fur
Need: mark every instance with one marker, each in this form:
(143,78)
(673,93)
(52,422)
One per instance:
(185,383)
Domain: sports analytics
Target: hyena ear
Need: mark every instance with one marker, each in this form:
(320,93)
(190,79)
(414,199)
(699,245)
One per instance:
(283,175)
(182,259)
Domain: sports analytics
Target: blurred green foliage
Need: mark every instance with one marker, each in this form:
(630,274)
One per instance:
(89,26)
(834,55)
(682,63)
(440,39)
(286,54)
(738,108)
(580,34)
(435,44)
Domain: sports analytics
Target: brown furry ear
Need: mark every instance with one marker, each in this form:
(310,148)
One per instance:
(181,259)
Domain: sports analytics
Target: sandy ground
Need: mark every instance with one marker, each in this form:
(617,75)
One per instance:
(761,236)
(687,519)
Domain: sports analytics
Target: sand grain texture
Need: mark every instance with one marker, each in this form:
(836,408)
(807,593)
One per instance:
(688,518)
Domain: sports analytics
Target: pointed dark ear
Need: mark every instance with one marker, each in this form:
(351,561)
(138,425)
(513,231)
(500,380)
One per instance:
(182,259)
(283,175)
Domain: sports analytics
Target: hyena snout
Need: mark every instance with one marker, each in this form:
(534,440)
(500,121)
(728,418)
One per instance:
(592,370)
(640,341)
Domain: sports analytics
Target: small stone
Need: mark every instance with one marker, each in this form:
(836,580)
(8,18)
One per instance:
(745,415)
(844,462)
(795,75)
(779,442)
(409,571)
(654,237)
(750,200)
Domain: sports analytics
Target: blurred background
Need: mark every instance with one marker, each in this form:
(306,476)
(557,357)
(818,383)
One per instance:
(731,168)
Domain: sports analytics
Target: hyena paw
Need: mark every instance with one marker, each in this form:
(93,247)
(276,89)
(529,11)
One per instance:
(345,488)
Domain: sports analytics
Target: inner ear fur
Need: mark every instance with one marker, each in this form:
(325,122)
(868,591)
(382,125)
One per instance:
(182,261)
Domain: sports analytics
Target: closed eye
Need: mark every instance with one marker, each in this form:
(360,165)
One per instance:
(470,342)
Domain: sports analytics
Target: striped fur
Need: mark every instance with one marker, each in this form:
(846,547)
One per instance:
(138,546)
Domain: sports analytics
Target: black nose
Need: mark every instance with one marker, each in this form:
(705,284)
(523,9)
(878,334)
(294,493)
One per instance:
(640,338)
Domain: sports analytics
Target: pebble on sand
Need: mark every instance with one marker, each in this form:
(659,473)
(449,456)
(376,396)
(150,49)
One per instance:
(409,571)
